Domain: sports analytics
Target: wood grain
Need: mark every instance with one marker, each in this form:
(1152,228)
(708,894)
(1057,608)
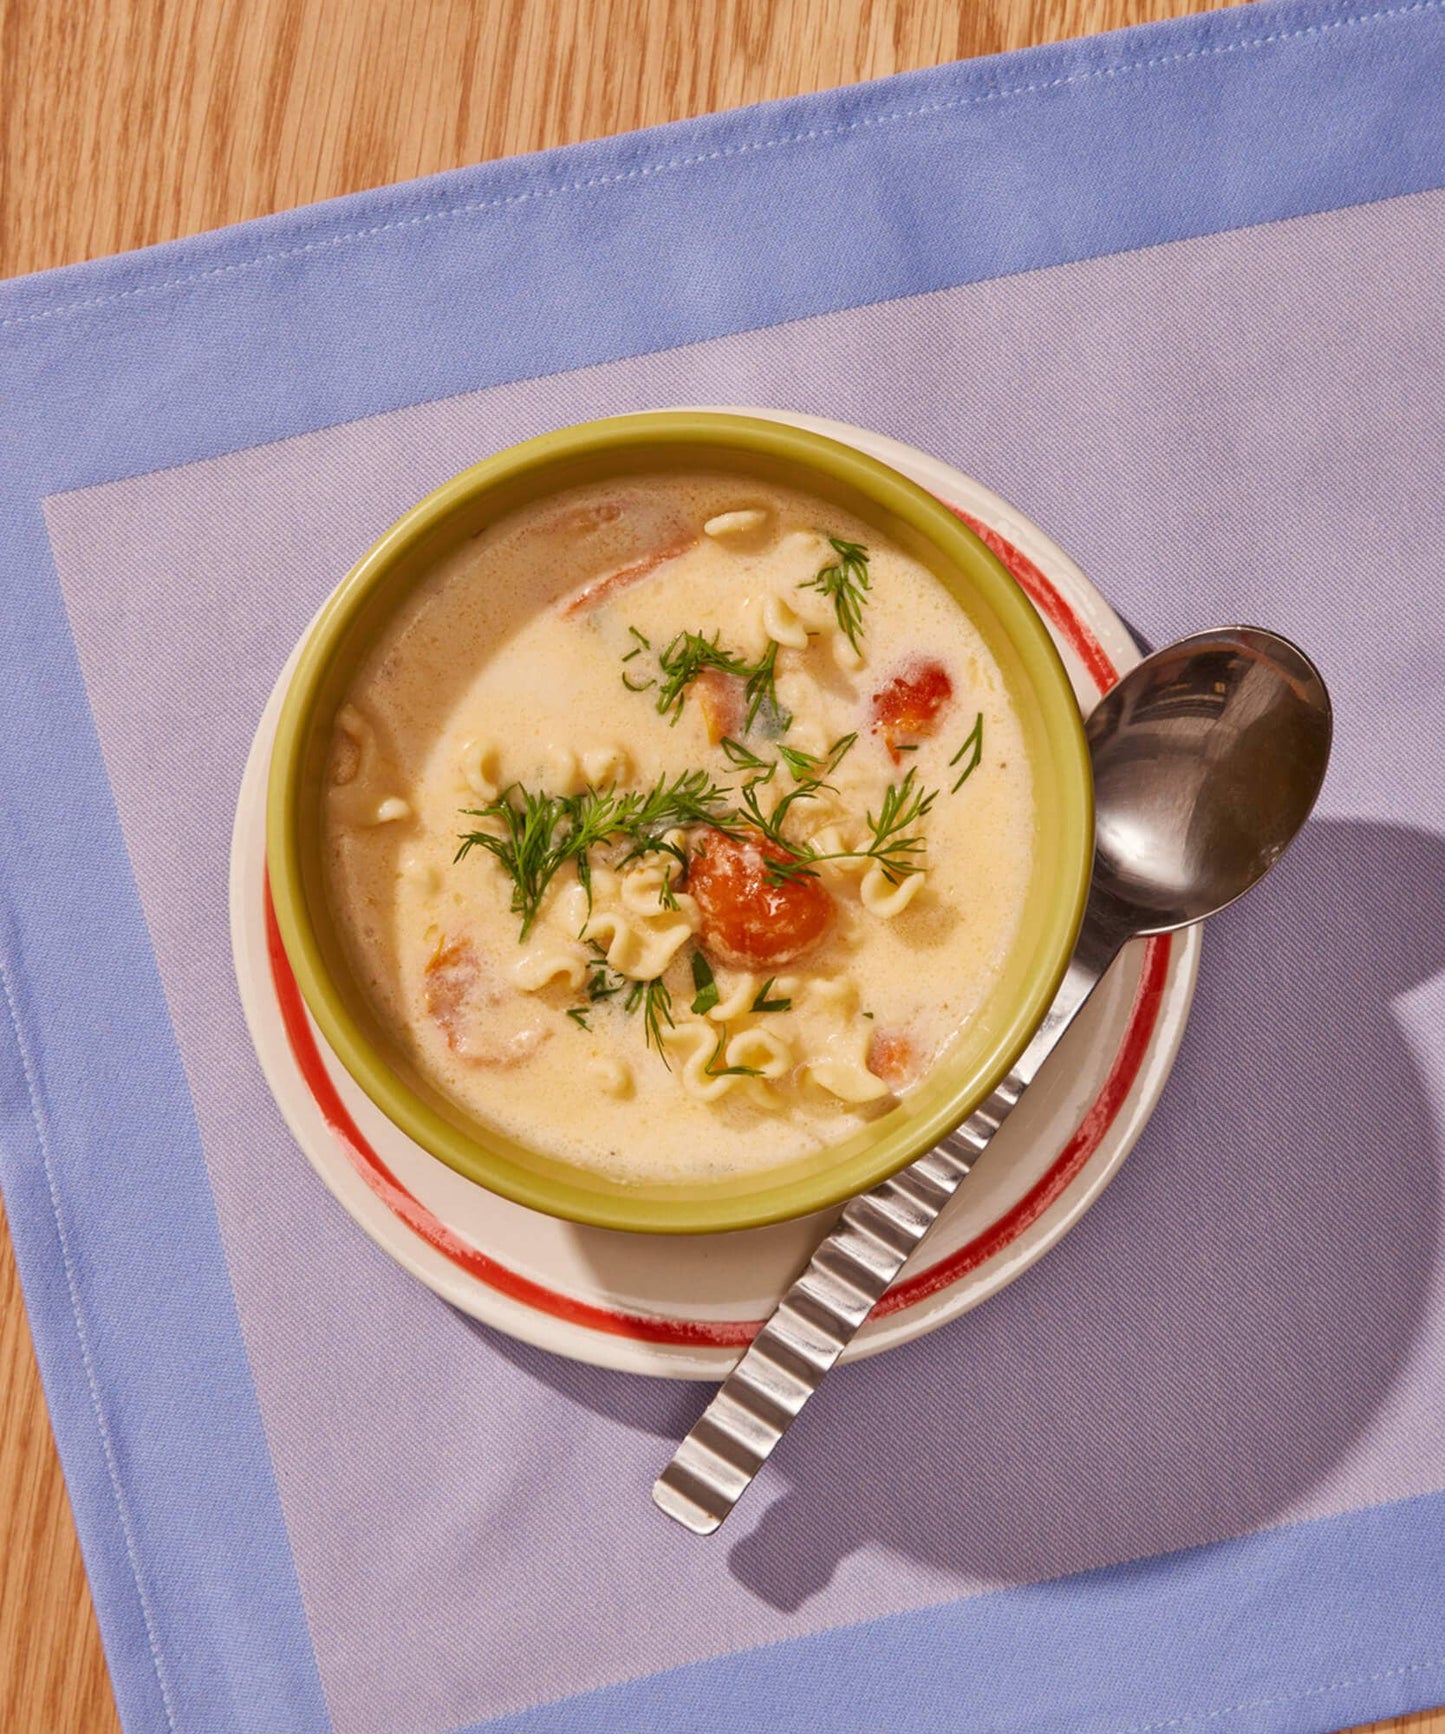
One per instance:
(126,122)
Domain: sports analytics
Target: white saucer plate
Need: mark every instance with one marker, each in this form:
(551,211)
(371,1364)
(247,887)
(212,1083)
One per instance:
(684,1306)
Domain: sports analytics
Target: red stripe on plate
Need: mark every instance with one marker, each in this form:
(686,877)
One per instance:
(369,1165)
(729,1333)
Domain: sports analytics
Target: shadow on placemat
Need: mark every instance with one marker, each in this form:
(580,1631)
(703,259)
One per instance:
(1206,1345)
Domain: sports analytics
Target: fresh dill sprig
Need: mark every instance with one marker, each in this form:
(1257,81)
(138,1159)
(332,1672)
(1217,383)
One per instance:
(691,798)
(972,746)
(761,693)
(802,765)
(683,660)
(539,833)
(771,823)
(895,843)
(689,654)
(763,1004)
(656,1004)
(809,771)
(895,846)
(846,585)
(532,844)
(705,982)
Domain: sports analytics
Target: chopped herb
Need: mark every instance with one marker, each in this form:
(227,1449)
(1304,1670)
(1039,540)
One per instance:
(535,840)
(636,685)
(846,585)
(578,1015)
(714,1070)
(642,643)
(666,896)
(804,766)
(973,746)
(691,798)
(683,661)
(602,982)
(869,1016)
(705,982)
(771,824)
(763,1004)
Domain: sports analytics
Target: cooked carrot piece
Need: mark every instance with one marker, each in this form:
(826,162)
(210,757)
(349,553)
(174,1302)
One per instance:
(452,978)
(893,1056)
(484,1023)
(606,588)
(722,701)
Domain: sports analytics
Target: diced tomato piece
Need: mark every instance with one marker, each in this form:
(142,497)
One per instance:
(906,710)
(893,1056)
(722,700)
(748,920)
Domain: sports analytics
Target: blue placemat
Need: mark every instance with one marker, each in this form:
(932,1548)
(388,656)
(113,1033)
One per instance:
(1177,293)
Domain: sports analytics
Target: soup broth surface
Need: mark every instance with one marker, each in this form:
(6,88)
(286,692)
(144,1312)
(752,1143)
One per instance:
(746,821)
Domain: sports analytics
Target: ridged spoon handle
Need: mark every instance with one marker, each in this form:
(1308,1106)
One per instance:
(844,1280)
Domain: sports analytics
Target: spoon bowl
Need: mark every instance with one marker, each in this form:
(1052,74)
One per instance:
(1207,760)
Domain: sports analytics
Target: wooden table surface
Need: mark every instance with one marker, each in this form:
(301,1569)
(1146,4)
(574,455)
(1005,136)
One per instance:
(125,122)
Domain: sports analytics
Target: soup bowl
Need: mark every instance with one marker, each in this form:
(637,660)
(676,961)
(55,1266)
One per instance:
(348,628)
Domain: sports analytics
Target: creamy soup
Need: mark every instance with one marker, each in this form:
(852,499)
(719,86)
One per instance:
(677,826)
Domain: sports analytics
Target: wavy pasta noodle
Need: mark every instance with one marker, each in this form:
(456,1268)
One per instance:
(885,897)
(693,1046)
(544,964)
(481,766)
(639,947)
(842,1070)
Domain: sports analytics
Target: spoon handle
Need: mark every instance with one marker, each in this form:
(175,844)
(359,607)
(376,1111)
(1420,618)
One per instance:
(845,1278)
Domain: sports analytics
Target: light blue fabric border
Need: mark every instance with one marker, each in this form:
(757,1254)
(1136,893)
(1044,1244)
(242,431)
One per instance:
(1353,1632)
(484,276)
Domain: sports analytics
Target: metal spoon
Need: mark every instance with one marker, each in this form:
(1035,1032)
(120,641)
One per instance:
(1207,758)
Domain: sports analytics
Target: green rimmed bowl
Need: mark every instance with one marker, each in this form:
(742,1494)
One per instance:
(625,446)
